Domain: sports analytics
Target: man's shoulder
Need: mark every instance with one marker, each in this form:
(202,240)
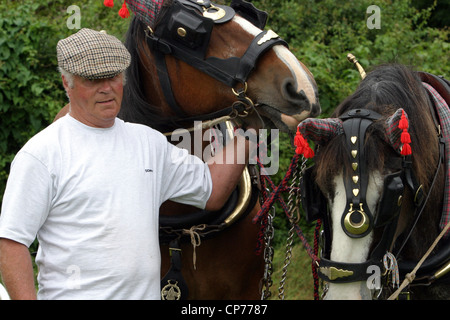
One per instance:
(144,130)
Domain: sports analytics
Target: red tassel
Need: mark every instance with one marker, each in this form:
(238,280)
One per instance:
(109,3)
(123,12)
(405,137)
(406,150)
(308,153)
(403,123)
(302,146)
(298,142)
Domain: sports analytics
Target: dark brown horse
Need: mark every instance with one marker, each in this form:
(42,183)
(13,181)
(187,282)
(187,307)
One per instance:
(254,77)
(381,197)
(283,92)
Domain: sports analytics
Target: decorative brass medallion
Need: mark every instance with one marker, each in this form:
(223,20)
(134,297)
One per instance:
(171,291)
(213,12)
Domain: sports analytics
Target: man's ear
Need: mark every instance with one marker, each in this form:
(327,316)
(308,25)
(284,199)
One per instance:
(65,82)
(66,85)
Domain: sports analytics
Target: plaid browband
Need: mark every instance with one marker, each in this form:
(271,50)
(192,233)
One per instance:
(320,130)
(146,10)
(444,118)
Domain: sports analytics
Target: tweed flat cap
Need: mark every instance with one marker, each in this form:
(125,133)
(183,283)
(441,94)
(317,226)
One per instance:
(92,55)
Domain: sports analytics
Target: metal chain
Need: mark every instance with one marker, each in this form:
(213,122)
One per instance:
(268,256)
(293,216)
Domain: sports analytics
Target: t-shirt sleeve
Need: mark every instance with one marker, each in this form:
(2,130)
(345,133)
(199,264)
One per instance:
(186,178)
(27,199)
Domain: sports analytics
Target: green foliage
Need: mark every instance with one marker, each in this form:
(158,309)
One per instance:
(322,32)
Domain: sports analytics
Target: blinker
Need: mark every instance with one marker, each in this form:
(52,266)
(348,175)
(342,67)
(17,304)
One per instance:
(313,201)
(390,203)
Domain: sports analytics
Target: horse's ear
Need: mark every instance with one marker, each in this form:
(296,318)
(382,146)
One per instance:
(397,134)
(321,131)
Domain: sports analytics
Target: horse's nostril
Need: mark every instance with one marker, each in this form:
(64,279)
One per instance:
(289,92)
(299,98)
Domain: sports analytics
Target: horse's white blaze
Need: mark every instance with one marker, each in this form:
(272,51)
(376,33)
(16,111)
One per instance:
(300,76)
(302,79)
(346,249)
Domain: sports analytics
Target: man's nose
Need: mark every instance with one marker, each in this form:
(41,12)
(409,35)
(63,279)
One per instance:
(105,85)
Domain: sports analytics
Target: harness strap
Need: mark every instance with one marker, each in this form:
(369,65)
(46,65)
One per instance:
(173,285)
(166,85)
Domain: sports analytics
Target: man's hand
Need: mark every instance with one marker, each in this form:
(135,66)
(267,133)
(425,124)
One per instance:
(226,169)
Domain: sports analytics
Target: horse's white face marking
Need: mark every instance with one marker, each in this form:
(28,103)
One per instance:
(346,249)
(300,76)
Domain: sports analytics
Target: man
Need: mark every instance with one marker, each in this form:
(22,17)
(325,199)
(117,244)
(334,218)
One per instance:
(90,187)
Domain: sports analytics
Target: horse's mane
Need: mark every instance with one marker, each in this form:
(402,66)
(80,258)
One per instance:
(384,90)
(135,106)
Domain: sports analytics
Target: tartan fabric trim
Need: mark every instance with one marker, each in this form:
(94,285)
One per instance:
(444,119)
(92,55)
(146,10)
(321,130)
(393,132)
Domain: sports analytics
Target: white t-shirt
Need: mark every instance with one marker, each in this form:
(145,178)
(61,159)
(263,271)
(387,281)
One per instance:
(92,198)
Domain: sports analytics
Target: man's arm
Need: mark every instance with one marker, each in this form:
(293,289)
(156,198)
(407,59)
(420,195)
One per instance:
(226,169)
(16,269)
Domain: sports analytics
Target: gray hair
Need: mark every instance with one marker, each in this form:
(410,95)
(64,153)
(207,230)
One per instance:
(68,76)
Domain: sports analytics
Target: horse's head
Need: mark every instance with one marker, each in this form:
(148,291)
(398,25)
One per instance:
(366,174)
(201,59)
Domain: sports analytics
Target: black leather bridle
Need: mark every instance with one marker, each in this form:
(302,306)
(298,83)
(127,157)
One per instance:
(184,33)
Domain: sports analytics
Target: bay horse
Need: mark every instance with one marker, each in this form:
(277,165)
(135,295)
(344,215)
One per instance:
(284,93)
(190,67)
(377,186)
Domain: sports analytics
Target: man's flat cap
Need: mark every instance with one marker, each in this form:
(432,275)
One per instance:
(92,55)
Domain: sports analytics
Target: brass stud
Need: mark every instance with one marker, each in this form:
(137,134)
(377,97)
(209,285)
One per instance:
(354,139)
(181,32)
(355,192)
(355,166)
(355,179)
(354,153)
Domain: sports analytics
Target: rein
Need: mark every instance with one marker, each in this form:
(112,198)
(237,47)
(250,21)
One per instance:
(267,213)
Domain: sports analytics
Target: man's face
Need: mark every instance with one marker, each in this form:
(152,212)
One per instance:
(95,103)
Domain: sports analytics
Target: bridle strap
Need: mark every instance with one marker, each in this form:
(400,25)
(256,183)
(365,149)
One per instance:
(420,208)
(232,72)
(355,124)
(166,85)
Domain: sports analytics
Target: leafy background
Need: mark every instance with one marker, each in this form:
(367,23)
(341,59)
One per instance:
(320,33)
